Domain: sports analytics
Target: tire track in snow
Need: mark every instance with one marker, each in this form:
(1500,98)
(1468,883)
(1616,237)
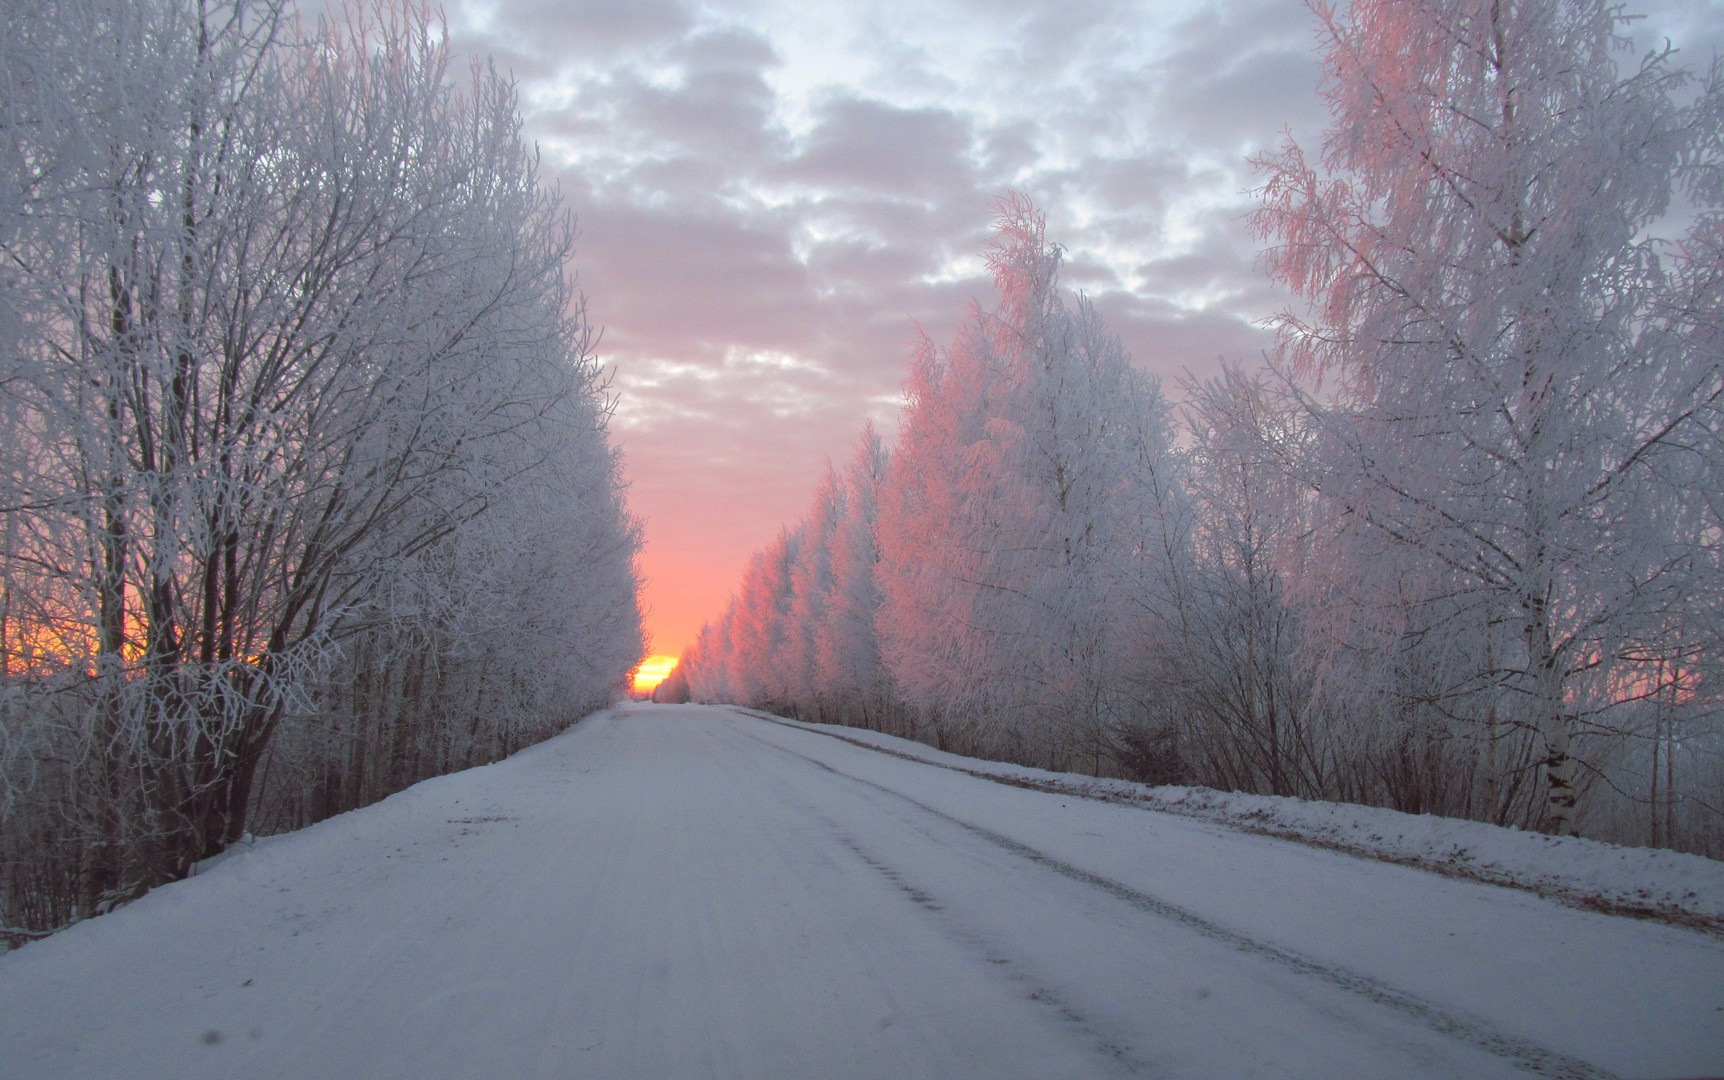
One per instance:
(996,961)
(1043,996)
(1523,1053)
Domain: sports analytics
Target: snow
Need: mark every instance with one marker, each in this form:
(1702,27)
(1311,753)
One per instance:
(1650,882)
(692,891)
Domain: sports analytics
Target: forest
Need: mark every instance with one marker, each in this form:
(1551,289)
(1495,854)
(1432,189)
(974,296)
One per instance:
(1453,547)
(306,491)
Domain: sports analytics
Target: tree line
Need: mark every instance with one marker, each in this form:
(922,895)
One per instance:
(1453,547)
(305,487)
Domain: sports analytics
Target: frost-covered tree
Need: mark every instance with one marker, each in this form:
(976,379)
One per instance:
(705,667)
(286,313)
(1234,667)
(798,636)
(810,596)
(514,624)
(1519,404)
(847,645)
(999,581)
(1011,525)
(756,629)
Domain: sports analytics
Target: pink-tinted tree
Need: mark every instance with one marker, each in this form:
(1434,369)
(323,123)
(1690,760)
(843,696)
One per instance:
(847,644)
(811,583)
(1513,405)
(1011,524)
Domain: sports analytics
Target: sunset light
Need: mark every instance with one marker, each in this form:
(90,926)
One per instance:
(652,671)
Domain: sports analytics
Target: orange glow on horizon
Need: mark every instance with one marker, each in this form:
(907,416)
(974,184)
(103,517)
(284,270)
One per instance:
(652,671)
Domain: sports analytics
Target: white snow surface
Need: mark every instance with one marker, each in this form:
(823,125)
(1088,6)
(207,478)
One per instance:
(691,891)
(1650,882)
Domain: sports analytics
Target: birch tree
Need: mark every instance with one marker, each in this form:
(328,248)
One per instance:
(811,582)
(1235,663)
(1509,397)
(1011,530)
(286,312)
(847,646)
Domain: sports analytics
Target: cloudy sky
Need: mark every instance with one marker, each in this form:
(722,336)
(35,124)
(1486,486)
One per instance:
(776,197)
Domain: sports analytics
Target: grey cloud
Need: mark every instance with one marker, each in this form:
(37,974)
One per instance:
(928,230)
(726,48)
(539,39)
(593,27)
(909,69)
(1136,184)
(848,265)
(1169,341)
(722,106)
(1003,153)
(1040,38)
(723,115)
(872,146)
(1240,73)
(1090,276)
(1221,264)
(671,280)
(1248,106)
(706,99)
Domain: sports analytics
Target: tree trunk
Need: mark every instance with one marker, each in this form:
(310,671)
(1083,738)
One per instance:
(1559,766)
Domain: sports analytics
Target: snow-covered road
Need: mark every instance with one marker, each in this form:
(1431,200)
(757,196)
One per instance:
(689,891)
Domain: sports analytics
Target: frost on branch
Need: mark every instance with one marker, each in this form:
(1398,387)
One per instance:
(299,404)
(1526,391)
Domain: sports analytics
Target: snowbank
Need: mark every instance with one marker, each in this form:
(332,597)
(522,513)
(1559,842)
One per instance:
(1644,882)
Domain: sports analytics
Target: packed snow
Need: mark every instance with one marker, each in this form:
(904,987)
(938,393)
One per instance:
(695,891)
(1649,882)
